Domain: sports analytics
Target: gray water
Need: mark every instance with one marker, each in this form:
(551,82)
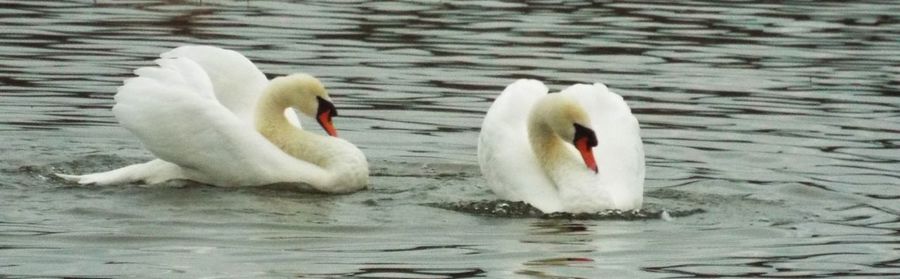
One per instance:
(779,122)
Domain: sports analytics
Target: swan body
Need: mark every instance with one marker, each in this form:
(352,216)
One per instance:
(575,151)
(211,116)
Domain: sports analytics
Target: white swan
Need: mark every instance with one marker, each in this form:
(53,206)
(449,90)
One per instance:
(540,148)
(211,116)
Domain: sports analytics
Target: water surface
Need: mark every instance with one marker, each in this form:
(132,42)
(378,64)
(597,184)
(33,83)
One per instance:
(778,121)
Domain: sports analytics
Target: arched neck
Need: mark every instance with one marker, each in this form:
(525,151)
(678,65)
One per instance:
(269,118)
(271,122)
(550,150)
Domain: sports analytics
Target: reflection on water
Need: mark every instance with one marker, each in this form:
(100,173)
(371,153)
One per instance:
(779,120)
(393,272)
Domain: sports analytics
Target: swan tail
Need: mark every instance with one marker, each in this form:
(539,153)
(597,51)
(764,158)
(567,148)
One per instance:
(117,176)
(73,178)
(152,172)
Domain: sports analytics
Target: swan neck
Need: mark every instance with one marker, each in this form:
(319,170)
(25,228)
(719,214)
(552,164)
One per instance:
(270,109)
(272,123)
(548,147)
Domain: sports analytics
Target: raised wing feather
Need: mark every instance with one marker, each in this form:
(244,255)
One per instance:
(619,152)
(504,152)
(236,81)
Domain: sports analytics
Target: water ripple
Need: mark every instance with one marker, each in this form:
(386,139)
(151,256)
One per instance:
(778,120)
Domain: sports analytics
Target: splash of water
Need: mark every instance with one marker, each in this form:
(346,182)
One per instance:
(511,209)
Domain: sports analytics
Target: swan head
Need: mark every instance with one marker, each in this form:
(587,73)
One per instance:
(568,120)
(306,94)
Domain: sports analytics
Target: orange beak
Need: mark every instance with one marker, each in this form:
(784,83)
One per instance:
(584,147)
(324,119)
(324,115)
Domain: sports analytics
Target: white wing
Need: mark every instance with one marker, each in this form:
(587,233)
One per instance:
(505,154)
(236,81)
(619,151)
(174,114)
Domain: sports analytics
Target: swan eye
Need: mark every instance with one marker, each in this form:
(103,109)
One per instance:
(585,132)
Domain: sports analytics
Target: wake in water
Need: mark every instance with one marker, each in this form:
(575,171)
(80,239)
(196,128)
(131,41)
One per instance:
(40,175)
(662,204)
(510,209)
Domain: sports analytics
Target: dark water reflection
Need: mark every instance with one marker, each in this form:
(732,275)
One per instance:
(779,119)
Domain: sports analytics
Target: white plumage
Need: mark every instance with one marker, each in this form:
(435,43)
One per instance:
(522,161)
(199,111)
